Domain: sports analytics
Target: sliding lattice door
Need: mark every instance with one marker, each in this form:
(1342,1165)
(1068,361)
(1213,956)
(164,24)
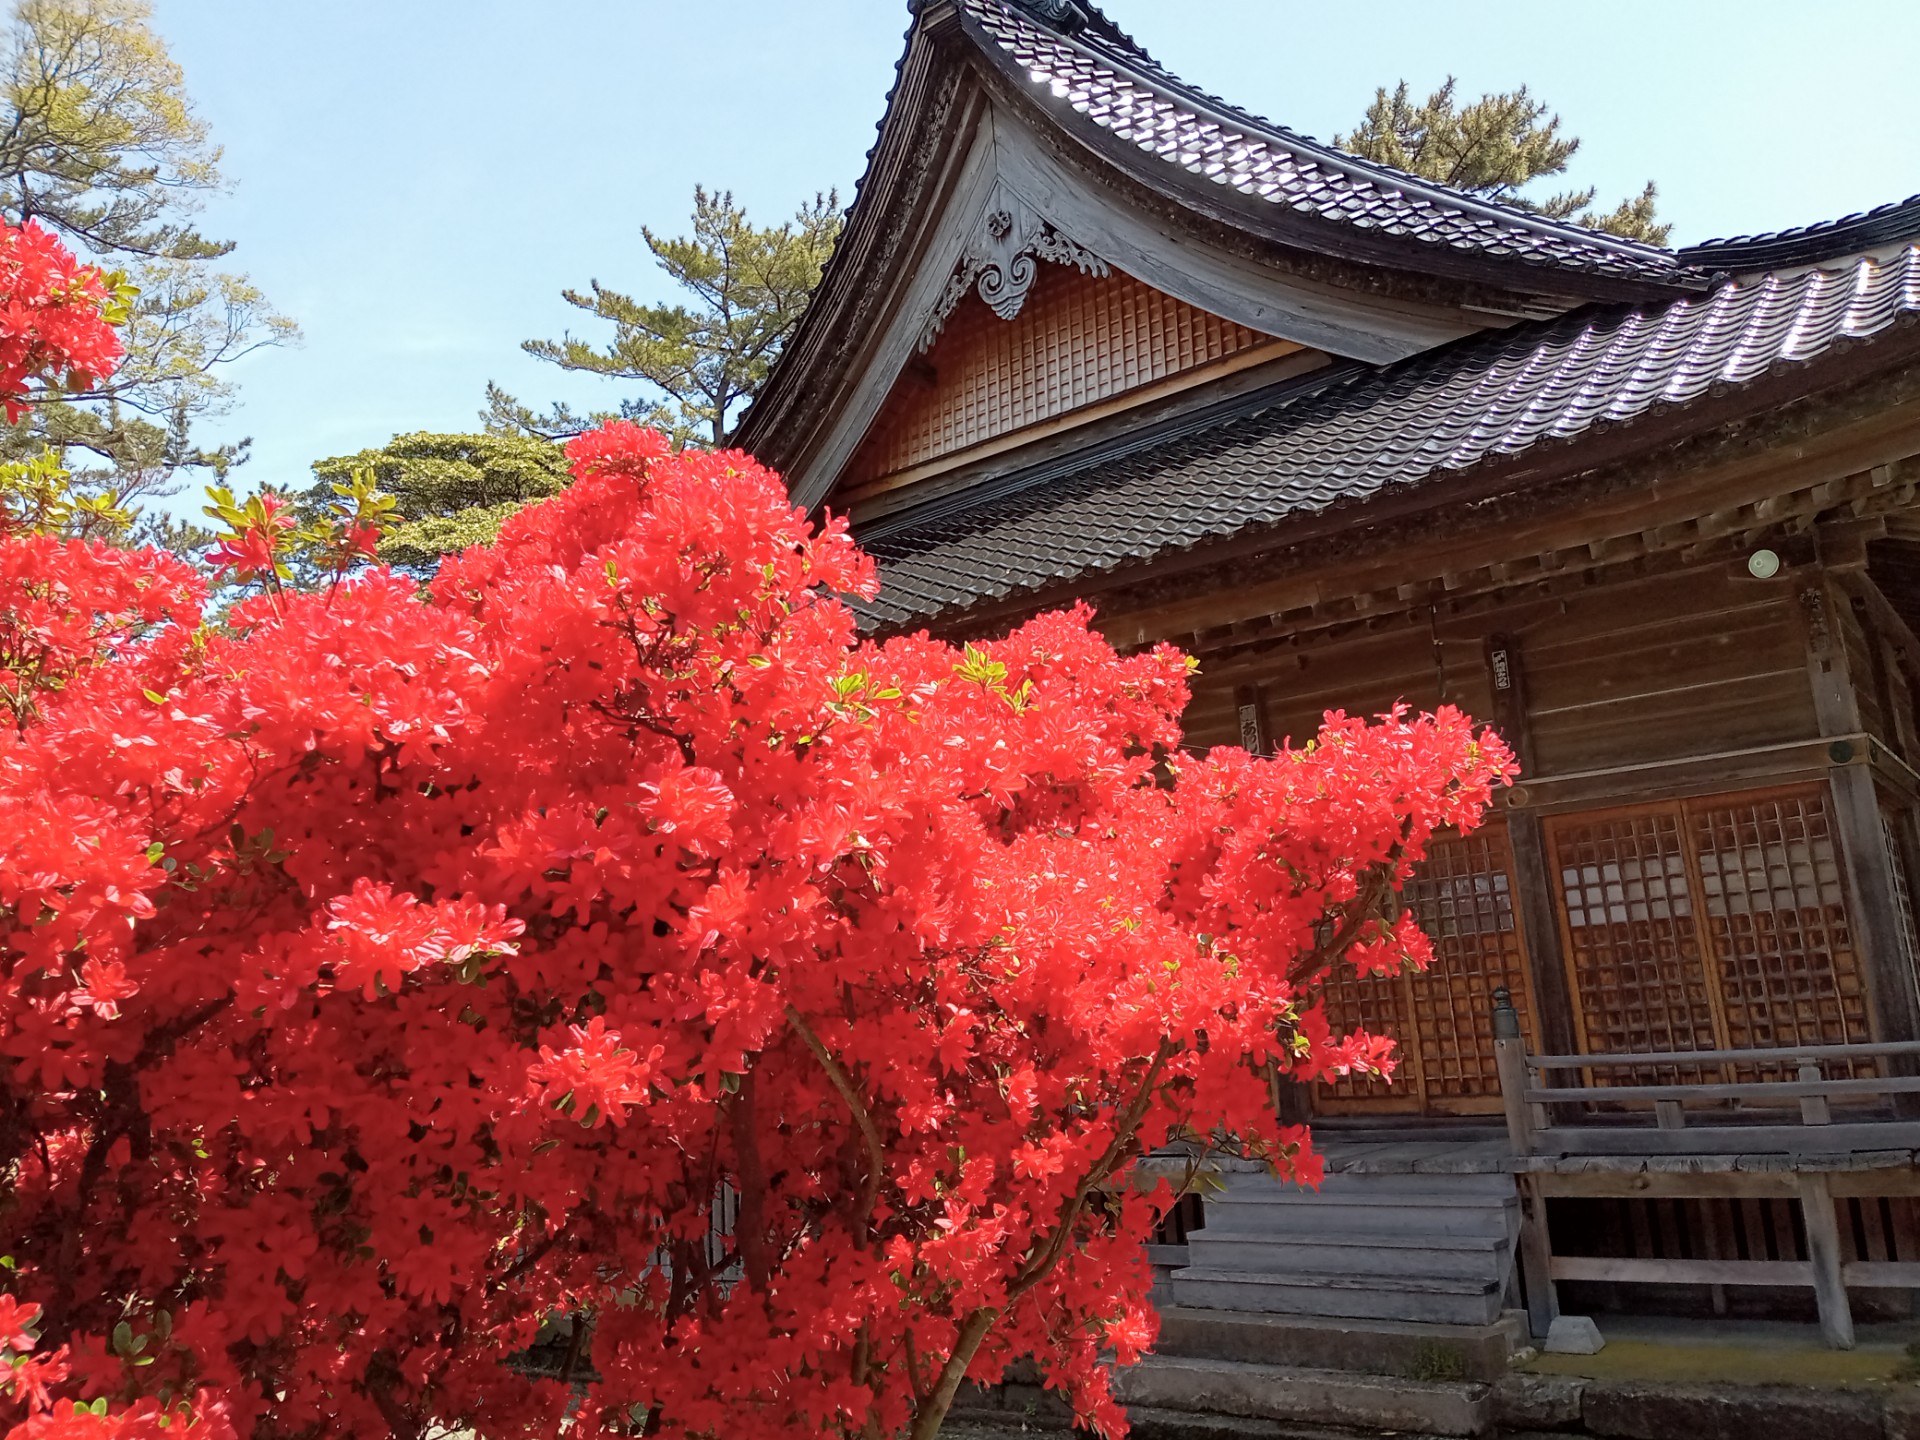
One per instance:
(1717,923)
(1442,1017)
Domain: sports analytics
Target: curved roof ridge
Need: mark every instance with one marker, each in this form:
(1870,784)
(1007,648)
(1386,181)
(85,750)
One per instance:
(1819,241)
(1136,64)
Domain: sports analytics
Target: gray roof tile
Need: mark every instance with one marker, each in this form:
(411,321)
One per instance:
(1105,78)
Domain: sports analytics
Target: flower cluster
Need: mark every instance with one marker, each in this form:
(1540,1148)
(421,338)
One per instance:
(56,318)
(609,932)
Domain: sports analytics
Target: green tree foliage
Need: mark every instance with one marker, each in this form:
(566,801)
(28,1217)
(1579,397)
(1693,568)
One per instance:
(449,491)
(703,359)
(99,141)
(1494,146)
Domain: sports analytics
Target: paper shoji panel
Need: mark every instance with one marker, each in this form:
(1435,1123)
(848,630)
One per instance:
(1709,924)
(1443,1017)
(1078,340)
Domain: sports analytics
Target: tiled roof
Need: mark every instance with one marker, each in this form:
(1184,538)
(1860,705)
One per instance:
(1097,73)
(1810,244)
(1355,434)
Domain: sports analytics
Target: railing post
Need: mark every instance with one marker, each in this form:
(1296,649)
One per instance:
(1510,1057)
(1814,1109)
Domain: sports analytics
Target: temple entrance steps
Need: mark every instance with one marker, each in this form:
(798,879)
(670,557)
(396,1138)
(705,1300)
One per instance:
(1371,1245)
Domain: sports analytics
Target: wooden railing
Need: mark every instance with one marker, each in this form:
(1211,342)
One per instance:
(1578,1137)
(1746,1114)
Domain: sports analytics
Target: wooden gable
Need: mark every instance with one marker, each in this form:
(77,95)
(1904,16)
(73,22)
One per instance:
(1082,346)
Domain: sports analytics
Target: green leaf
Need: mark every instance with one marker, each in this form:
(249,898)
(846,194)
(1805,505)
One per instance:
(154,852)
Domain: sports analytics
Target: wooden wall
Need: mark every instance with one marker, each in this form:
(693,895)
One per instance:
(1683,664)
(1690,664)
(1740,936)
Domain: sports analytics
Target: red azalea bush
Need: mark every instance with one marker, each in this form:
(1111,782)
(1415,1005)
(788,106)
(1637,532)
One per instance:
(55,318)
(607,931)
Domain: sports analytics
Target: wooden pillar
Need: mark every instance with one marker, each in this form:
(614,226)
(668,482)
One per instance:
(1823,1249)
(1537,905)
(1878,933)
(1536,1260)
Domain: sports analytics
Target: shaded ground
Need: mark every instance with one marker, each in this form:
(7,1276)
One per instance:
(1735,1352)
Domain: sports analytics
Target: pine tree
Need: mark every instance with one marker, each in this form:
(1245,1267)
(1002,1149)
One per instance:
(1494,146)
(99,142)
(703,360)
(450,491)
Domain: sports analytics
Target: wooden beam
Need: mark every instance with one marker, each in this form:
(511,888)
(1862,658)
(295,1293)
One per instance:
(1538,914)
(1881,1274)
(1878,927)
(1891,625)
(1615,1185)
(1777,484)
(1682,775)
(1808,1144)
(1686,1272)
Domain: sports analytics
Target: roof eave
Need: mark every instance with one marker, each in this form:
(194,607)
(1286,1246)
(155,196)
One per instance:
(902,149)
(1278,224)
(1840,370)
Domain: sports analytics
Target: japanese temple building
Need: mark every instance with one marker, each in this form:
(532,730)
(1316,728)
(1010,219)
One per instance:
(1351,437)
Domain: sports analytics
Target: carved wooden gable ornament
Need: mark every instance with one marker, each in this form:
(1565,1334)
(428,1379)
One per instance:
(1003,260)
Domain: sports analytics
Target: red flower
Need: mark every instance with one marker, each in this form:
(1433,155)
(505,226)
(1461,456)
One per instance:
(17,1322)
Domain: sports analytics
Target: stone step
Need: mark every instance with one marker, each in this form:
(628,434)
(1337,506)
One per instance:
(1192,1385)
(1319,1342)
(1366,1217)
(1446,1300)
(1437,1189)
(1473,1256)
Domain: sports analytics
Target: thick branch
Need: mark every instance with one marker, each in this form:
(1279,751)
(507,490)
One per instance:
(750,1224)
(1360,912)
(869,1132)
(926,1425)
(975,1329)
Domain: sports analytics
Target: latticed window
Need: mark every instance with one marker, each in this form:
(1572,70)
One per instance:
(1442,1017)
(1716,923)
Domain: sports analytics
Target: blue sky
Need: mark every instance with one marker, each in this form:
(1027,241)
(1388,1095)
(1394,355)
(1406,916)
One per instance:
(414,181)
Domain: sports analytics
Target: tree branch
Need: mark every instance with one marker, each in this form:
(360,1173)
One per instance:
(975,1329)
(869,1132)
(750,1222)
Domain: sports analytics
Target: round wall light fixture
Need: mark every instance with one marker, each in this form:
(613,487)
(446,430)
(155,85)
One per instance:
(1763,564)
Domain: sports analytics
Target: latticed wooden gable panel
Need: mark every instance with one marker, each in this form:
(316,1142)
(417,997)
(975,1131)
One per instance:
(1443,1016)
(1079,340)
